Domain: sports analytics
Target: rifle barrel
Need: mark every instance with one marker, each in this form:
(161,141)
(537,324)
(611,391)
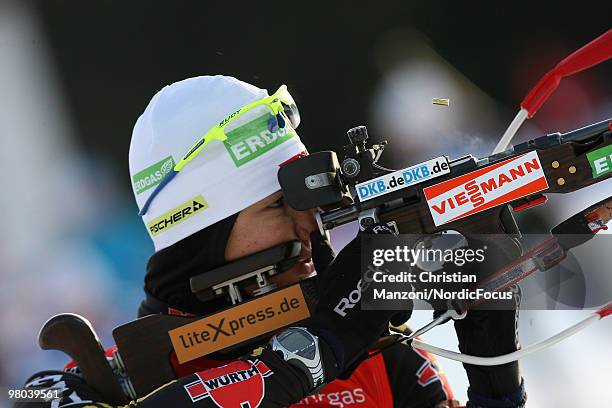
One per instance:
(586,132)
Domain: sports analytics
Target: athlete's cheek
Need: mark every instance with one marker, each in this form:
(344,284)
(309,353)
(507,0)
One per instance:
(281,224)
(304,223)
(270,232)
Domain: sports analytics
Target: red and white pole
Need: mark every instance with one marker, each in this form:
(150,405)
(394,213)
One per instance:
(595,52)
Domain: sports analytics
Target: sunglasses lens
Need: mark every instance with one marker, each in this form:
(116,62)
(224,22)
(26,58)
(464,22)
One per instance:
(273,123)
(290,108)
(276,122)
(293,114)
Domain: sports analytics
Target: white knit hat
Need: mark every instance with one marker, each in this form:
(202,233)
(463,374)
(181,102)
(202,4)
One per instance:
(225,177)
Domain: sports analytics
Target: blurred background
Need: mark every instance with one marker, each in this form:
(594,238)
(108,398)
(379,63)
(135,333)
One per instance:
(74,77)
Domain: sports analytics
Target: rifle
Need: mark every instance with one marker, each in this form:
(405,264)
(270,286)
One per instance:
(357,188)
(468,194)
(449,193)
(564,163)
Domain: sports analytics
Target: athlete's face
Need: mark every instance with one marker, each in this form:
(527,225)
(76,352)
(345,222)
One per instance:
(268,223)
